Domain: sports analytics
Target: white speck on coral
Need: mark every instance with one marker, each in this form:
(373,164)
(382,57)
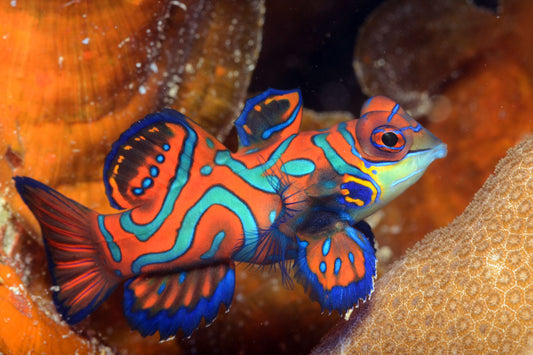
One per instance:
(121,44)
(16,290)
(200,63)
(138,64)
(173,91)
(153,67)
(60,61)
(55,288)
(179,4)
(379,63)
(13,3)
(189,68)
(142,90)
(85,40)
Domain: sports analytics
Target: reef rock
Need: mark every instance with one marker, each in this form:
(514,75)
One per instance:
(467,287)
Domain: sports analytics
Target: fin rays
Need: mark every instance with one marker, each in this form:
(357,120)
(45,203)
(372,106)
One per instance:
(168,303)
(70,242)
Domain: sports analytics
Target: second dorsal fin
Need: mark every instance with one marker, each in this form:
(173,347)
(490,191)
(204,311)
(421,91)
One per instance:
(143,161)
(274,114)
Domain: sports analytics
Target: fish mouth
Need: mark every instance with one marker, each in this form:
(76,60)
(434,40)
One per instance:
(424,158)
(438,152)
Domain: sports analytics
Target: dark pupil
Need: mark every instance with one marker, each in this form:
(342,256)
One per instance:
(389,139)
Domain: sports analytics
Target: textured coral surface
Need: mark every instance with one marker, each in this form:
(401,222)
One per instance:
(467,287)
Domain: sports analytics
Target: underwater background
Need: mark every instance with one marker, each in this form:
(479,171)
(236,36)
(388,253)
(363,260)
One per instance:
(75,74)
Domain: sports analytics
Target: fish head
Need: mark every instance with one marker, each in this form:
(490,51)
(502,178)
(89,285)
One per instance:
(395,149)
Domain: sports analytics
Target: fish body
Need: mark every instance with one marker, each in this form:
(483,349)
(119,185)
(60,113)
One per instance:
(190,208)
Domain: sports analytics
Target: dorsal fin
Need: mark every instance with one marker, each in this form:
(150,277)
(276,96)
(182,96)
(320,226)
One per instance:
(274,114)
(143,160)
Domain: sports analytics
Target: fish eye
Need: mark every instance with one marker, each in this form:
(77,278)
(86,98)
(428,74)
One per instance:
(388,139)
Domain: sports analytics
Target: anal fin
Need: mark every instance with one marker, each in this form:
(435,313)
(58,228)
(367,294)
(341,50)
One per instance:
(168,303)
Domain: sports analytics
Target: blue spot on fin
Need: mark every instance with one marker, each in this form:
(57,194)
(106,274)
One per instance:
(168,303)
(143,160)
(274,113)
(344,275)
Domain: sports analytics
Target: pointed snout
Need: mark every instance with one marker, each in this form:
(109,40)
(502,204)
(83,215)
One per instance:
(426,141)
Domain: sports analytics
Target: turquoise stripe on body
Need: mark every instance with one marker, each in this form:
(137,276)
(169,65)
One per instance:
(298,167)
(214,246)
(216,195)
(255,176)
(111,244)
(143,232)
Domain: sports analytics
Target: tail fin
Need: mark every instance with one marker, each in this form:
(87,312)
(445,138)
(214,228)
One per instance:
(70,240)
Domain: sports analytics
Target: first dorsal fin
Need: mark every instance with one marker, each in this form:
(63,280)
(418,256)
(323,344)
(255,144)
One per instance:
(142,162)
(274,114)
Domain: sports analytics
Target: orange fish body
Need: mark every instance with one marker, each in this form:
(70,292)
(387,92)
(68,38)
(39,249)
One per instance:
(191,208)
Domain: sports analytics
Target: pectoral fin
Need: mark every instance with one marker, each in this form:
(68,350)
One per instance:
(337,265)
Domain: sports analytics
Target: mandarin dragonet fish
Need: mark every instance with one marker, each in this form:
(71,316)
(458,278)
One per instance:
(190,208)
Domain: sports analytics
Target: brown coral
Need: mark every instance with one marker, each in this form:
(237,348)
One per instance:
(480,96)
(466,287)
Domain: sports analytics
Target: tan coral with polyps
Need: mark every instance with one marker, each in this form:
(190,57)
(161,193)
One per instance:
(467,287)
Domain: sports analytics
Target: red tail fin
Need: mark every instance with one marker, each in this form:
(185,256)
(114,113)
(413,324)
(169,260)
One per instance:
(74,257)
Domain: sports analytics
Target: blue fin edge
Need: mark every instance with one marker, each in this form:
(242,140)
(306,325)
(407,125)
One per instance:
(249,105)
(165,115)
(339,298)
(187,320)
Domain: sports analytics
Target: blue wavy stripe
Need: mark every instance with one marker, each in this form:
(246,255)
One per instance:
(281,126)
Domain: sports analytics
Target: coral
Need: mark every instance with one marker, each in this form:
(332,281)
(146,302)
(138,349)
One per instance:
(76,74)
(467,287)
(478,97)
(436,40)
(28,329)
